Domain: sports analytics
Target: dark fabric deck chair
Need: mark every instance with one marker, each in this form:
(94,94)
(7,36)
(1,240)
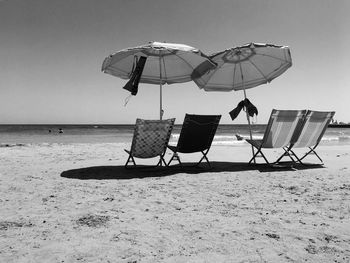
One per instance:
(196,135)
(311,132)
(150,140)
(281,128)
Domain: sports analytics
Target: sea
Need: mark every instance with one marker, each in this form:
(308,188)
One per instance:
(25,135)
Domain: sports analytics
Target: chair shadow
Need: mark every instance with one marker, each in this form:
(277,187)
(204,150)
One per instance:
(122,173)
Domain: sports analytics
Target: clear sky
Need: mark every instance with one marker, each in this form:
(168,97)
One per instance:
(51,52)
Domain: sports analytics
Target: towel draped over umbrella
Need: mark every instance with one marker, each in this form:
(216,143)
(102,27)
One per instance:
(166,63)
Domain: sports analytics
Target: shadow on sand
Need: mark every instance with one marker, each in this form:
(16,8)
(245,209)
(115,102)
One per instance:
(120,172)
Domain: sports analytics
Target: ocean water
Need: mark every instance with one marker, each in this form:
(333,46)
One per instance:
(19,135)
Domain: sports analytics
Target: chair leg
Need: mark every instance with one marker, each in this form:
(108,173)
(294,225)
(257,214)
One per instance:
(286,153)
(204,157)
(296,156)
(175,157)
(161,161)
(171,159)
(312,150)
(318,156)
(130,160)
(256,154)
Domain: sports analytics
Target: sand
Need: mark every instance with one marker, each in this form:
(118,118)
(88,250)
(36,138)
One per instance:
(77,203)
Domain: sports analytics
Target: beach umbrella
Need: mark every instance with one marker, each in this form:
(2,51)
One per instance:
(157,63)
(245,67)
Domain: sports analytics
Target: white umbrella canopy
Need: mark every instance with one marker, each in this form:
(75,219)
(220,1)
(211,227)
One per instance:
(166,63)
(245,67)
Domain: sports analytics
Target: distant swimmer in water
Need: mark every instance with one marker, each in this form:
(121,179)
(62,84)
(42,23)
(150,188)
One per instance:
(239,137)
(49,131)
(60,130)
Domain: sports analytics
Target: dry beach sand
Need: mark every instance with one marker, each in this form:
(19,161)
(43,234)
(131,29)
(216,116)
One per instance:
(77,203)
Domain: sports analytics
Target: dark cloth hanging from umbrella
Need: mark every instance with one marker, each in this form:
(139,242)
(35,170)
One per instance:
(167,63)
(133,84)
(251,109)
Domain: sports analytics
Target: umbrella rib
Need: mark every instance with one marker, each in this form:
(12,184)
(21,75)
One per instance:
(111,67)
(262,74)
(184,61)
(264,55)
(234,76)
(165,74)
(277,58)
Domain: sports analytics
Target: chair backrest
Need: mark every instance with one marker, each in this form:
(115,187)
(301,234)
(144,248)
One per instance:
(151,137)
(281,127)
(314,126)
(197,132)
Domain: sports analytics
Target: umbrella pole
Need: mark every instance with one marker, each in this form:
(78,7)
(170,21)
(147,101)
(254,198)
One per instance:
(246,111)
(160,104)
(160,90)
(250,128)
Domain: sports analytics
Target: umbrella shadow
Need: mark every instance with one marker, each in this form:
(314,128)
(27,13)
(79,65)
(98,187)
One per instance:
(121,173)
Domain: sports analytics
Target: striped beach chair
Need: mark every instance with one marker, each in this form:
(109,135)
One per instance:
(150,140)
(281,128)
(311,132)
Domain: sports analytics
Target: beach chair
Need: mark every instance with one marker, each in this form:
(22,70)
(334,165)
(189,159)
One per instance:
(197,134)
(150,140)
(311,132)
(281,128)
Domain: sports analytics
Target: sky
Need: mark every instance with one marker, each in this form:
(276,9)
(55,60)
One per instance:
(51,53)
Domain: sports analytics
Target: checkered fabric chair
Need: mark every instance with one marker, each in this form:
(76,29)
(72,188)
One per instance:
(281,128)
(311,132)
(196,135)
(150,140)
